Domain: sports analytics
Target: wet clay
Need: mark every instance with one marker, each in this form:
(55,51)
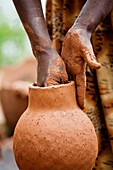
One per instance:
(56,73)
(76,52)
(54,133)
(51,68)
(32,18)
(37,39)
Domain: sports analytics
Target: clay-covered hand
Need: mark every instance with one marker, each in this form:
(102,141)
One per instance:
(56,73)
(51,69)
(77,51)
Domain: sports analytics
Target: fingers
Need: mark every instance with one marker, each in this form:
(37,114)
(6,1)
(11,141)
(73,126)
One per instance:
(50,82)
(55,79)
(90,58)
(56,73)
(80,80)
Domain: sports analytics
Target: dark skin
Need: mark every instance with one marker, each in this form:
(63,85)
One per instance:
(77,49)
(51,68)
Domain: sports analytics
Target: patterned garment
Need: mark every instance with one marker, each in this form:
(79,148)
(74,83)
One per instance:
(61,15)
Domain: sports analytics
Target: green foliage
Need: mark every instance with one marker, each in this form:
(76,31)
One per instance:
(12,42)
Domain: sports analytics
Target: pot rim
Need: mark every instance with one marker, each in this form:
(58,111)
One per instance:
(34,85)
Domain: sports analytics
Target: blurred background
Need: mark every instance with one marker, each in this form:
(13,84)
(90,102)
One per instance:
(15,56)
(14,44)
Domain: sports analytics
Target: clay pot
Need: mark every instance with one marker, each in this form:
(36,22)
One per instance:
(54,133)
(14,89)
(14,100)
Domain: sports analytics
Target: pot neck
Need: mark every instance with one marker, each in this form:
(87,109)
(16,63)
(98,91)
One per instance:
(56,97)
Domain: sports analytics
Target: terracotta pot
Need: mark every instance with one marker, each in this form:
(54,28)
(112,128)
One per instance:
(14,89)
(14,100)
(54,133)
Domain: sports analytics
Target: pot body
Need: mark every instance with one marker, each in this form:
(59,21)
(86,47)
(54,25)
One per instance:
(14,90)
(14,102)
(53,133)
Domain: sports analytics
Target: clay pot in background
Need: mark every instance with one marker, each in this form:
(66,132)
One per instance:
(54,133)
(14,89)
(14,101)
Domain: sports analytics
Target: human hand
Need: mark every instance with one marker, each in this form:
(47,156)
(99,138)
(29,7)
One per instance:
(56,73)
(77,51)
(51,68)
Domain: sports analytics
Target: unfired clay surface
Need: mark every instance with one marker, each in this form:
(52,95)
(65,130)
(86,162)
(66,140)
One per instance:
(53,133)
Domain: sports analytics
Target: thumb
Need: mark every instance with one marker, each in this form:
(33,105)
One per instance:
(90,58)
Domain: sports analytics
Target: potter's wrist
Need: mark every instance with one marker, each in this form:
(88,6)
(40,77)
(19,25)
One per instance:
(81,30)
(89,26)
(43,52)
(86,27)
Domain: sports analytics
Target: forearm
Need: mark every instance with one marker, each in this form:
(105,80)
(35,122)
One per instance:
(31,15)
(92,13)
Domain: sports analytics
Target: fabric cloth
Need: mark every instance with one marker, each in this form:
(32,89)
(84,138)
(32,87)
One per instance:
(61,15)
